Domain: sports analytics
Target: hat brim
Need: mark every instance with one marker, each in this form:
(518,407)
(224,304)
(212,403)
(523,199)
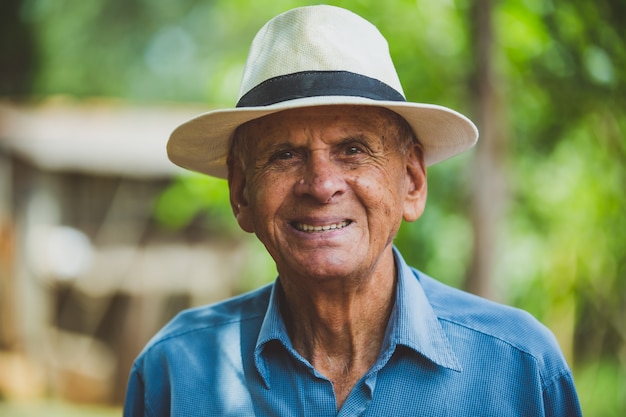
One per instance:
(201,144)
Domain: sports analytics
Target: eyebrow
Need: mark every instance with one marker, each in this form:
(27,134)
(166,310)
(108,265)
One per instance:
(354,138)
(278,146)
(366,140)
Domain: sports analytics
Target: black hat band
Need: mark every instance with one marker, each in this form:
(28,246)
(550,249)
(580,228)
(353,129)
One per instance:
(316,84)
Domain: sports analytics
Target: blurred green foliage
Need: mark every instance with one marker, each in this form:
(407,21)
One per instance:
(195,195)
(560,74)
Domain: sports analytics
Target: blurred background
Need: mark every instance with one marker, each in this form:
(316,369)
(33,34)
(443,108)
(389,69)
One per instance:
(102,240)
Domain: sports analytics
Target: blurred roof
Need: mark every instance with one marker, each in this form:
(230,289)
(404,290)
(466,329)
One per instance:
(94,136)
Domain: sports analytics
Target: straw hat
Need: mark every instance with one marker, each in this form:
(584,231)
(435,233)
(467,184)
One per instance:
(312,56)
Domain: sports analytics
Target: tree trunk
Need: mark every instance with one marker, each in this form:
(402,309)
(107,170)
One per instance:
(488,191)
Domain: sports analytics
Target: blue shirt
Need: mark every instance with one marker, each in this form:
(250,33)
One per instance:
(445,353)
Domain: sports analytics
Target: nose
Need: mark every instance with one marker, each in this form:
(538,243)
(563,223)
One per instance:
(322,179)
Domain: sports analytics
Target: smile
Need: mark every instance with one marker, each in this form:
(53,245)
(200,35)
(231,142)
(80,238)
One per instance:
(316,229)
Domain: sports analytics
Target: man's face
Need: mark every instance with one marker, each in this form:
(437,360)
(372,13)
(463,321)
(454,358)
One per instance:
(325,189)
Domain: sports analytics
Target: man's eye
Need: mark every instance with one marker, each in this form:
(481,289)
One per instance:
(282,156)
(353,150)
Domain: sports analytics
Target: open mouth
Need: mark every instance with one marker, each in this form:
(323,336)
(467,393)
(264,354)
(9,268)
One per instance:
(303,227)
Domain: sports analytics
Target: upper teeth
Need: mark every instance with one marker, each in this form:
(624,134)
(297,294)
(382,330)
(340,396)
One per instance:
(309,228)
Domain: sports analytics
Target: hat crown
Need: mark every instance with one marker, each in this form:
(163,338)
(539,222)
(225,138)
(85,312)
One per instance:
(318,38)
(316,56)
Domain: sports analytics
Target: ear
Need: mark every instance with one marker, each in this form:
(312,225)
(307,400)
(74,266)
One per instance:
(415,199)
(239,195)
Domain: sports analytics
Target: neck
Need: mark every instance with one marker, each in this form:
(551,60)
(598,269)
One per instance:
(340,326)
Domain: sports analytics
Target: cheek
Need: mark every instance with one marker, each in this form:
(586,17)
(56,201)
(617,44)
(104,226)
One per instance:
(267,196)
(384,212)
(380,196)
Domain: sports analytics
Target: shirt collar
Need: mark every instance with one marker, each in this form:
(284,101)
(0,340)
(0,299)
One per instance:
(272,328)
(413,324)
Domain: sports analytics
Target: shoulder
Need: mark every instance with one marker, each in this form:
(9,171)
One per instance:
(493,323)
(214,318)
(207,346)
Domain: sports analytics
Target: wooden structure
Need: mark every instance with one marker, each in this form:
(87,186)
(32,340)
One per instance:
(86,276)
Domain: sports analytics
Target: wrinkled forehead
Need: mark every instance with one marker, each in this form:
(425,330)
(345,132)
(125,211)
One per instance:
(372,119)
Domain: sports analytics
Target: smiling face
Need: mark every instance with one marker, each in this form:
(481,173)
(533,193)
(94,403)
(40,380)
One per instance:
(325,189)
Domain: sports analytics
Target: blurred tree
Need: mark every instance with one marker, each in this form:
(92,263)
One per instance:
(565,256)
(488,182)
(18,60)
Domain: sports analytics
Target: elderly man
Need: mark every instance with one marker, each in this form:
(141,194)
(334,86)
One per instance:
(324,158)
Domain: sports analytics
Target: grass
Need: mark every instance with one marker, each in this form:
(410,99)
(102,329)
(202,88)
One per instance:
(55,408)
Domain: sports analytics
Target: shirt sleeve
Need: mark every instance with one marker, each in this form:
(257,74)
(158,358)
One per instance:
(134,402)
(560,398)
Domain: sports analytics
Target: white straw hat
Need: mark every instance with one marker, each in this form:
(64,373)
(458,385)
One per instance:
(312,56)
